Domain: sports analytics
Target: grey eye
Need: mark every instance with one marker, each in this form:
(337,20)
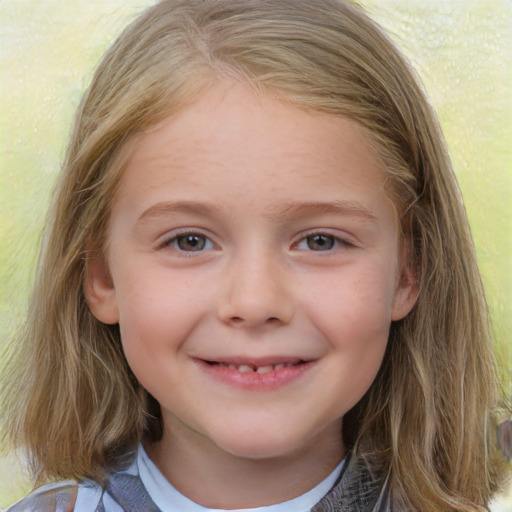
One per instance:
(190,242)
(320,242)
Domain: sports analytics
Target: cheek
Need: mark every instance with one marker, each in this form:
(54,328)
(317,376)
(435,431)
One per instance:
(354,317)
(155,316)
(356,310)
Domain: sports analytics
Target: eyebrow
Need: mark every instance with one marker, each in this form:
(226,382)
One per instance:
(286,211)
(169,207)
(339,207)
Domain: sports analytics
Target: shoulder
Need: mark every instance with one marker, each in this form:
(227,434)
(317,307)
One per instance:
(65,496)
(361,486)
(86,495)
(57,497)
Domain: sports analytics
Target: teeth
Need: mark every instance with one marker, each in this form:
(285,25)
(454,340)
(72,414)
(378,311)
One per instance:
(265,369)
(245,368)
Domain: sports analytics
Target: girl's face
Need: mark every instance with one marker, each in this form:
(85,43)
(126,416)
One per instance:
(254,269)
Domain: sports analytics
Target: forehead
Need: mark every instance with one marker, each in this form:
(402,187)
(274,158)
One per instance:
(254,145)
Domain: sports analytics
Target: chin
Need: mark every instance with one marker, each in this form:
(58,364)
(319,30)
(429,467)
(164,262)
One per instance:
(262,445)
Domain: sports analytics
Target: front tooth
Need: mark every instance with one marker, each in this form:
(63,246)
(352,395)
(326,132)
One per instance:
(278,366)
(244,368)
(265,369)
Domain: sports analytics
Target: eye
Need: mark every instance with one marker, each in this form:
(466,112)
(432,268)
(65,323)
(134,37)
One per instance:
(190,242)
(321,242)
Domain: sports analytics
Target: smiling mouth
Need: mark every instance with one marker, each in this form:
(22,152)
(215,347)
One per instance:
(253,368)
(265,374)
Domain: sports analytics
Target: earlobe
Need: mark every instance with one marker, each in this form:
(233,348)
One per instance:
(99,291)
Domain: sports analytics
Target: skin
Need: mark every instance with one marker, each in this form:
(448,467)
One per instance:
(248,231)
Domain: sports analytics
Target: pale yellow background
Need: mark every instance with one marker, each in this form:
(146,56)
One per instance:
(462,48)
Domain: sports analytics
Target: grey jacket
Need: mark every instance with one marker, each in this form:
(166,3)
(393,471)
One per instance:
(358,489)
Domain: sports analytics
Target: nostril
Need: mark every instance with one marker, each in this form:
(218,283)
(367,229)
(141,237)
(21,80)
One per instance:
(239,321)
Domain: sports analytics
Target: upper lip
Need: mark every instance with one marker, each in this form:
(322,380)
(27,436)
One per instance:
(257,361)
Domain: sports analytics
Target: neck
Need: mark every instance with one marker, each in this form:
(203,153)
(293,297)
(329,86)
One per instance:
(229,481)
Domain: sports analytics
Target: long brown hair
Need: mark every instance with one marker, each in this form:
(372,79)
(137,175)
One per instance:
(429,414)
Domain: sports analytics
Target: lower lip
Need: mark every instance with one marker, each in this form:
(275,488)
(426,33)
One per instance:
(254,380)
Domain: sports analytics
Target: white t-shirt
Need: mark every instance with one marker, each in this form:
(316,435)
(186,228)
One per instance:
(169,499)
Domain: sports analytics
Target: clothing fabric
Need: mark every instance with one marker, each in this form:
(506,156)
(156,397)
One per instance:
(142,488)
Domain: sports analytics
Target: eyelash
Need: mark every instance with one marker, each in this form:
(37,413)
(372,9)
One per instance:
(174,240)
(336,241)
(206,243)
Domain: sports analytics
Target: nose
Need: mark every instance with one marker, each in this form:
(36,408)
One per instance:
(257,293)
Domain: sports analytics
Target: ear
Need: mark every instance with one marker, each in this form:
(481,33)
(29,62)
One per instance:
(407,288)
(99,290)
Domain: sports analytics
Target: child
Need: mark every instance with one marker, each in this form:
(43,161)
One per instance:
(258,289)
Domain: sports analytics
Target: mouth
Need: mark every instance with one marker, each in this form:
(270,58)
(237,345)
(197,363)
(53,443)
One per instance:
(265,374)
(260,368)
